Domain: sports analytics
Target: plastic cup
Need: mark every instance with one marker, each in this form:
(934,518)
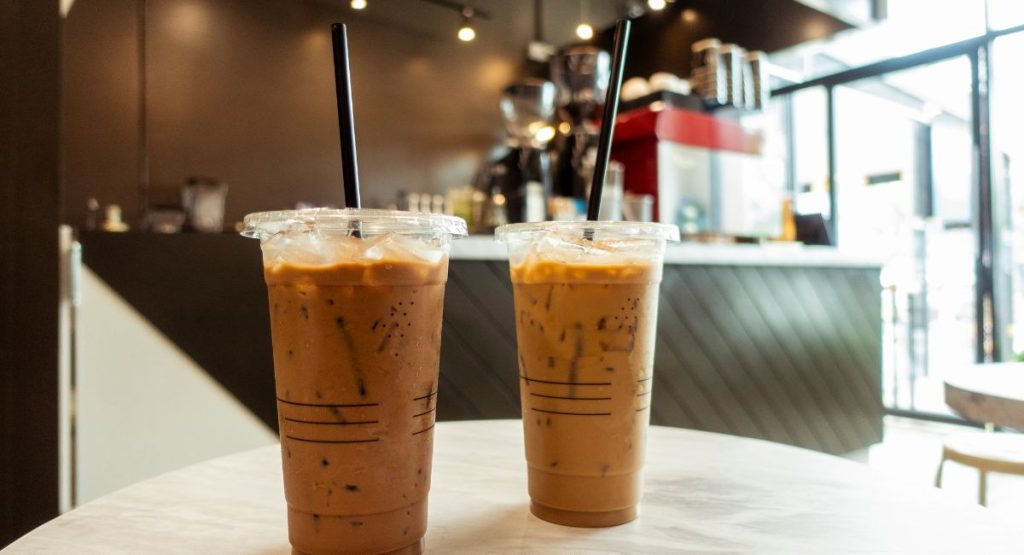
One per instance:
(586,315)
(355,311)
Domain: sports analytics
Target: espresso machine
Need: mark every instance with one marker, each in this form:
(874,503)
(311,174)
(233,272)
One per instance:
(581,75)
(524,175)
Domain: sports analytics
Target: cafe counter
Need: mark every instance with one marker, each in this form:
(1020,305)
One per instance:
(778,342)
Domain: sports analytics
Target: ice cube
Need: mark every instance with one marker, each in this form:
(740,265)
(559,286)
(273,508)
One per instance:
(568,247)
(345,247)
(289,247)
(394,246)
(307,247)
(310,247)
(376,248)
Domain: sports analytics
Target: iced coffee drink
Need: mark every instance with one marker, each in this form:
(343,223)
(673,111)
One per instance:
(356,298)
(586,313)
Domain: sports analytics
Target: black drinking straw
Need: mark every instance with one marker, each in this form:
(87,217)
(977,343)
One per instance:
(611,110)
(346,123)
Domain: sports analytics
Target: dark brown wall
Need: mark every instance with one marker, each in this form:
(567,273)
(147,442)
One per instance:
(29,212)
(99,106)
(242,90)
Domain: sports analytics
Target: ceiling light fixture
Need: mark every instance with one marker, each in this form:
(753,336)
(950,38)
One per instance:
(584,30)
(466,31)
(468,15)
(358,4)
(656,5)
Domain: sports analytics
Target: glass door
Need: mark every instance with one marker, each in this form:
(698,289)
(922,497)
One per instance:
(904,174)
(1007,176)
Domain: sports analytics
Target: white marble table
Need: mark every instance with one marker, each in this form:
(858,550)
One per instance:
(706,493)
(988,393)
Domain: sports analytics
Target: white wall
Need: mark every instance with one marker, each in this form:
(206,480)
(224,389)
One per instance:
(143,407)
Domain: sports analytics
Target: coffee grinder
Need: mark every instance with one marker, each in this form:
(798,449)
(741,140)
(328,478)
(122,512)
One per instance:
(524,175)
(581,75)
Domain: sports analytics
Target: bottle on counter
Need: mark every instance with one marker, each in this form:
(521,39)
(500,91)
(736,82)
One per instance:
(413,202)
(460,203)
(421,202)
(92,213)
(611,193)
(498,211)
(204,200)
(481,209)
(788,221)
(437,204)
(113,221)
(637,208)
(534,210)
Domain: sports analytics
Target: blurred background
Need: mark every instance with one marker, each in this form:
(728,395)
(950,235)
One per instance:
(845,174)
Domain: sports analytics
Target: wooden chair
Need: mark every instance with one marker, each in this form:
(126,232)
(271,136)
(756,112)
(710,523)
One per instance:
(988,452)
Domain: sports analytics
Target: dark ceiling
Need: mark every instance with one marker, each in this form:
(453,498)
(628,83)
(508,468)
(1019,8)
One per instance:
(661,40)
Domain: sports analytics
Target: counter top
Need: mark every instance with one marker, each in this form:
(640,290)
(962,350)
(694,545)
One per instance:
(484,247)
(787,353)
(704,493)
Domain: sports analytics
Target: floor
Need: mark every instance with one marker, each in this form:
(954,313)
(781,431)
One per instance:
(911,451)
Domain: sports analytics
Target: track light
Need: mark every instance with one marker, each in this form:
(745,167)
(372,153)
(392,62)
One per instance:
(358,4)
(656,5)
(466,31)
(584,31)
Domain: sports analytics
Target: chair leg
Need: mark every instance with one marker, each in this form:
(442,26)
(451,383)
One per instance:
(982,487)
(938,475)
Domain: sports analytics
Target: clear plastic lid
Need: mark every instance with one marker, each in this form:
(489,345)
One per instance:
(367,222)
(600,231)
(588,243)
